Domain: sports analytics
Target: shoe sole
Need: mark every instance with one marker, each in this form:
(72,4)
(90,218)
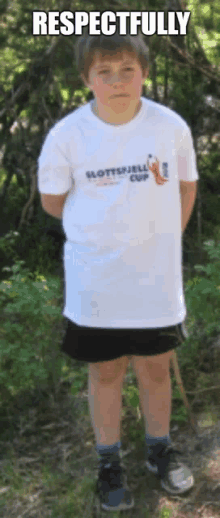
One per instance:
(120,507)
(187,486)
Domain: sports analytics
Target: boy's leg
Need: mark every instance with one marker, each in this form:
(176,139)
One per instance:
(105,398)
(153,376)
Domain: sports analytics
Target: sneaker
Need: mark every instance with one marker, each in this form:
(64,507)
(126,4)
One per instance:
(112,488)
(175,477)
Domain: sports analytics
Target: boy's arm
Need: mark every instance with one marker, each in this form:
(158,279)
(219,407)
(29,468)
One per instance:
(188,191)
(53,203)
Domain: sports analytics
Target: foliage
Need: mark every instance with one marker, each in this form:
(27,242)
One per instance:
(203,293)
(29,348)
(206,19)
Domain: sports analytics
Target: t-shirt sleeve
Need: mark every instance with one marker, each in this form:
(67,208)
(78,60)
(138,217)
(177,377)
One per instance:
(187,167)
(54,167)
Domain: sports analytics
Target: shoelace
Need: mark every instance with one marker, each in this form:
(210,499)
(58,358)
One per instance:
(111,473)
(164,457)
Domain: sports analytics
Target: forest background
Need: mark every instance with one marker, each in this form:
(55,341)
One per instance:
(39,84)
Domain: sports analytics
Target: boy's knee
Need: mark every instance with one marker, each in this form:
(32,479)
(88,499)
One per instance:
(152,368)
(106,372)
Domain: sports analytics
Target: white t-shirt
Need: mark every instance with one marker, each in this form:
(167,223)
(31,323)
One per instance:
(123,249)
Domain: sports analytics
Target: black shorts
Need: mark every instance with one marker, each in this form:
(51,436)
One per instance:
(93,344)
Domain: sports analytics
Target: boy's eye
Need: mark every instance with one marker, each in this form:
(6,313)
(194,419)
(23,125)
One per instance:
(106,71)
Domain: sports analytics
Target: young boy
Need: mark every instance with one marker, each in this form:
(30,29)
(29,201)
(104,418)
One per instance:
(120,171)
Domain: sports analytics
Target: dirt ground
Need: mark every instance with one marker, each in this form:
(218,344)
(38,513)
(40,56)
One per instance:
(60,433)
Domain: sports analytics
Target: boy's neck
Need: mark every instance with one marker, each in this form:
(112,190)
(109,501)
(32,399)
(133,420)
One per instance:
(96,112)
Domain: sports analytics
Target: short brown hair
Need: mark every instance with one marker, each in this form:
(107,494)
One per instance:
(87,47)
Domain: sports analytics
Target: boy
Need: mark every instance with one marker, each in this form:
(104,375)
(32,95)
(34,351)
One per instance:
(117,171)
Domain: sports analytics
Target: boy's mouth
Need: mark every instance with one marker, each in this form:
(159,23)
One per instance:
(119,95)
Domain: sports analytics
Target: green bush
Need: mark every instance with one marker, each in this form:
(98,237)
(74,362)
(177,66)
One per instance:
(30,314)
(203,293)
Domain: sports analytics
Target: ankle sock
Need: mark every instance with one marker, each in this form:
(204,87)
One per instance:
(153,441)
(105,451)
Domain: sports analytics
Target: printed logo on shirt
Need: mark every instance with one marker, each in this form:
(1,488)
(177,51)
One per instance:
(138,173)
(153,165)
(113,176)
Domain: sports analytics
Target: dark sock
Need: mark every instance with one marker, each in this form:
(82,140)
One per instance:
(107,453)
(153,441)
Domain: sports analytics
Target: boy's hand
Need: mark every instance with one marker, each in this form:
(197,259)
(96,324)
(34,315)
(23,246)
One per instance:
(155,170)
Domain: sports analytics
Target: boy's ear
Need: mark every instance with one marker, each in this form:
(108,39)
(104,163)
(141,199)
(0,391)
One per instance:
(84,79)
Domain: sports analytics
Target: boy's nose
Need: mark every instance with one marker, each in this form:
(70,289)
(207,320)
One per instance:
(117,79)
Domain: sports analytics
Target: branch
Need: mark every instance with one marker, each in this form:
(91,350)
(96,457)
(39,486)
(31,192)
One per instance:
(175,365)
(193,63)
(33,190)
(21,89)
(204,389)
(47,110)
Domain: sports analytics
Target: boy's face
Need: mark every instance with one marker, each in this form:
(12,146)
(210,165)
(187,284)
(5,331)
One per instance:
(116,83)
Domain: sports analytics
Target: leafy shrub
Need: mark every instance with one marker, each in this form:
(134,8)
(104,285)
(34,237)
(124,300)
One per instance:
(203,293)
(28,334)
